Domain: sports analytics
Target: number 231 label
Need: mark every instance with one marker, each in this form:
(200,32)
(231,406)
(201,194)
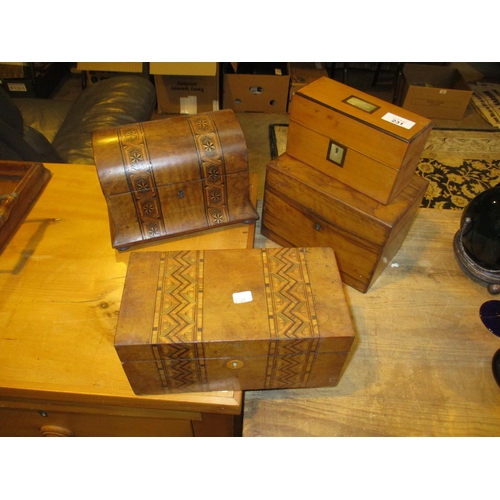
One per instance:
(397,120)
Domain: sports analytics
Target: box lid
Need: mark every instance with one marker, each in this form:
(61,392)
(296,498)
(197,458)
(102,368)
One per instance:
(173,148)
(183,68)
(374,112)
(121,67)
(231,303)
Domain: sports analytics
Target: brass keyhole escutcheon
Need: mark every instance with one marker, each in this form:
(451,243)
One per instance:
(235,364)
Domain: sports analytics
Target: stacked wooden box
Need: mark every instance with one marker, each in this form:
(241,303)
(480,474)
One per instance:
(347,179)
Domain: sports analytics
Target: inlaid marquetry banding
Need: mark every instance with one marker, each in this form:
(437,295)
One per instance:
(290,302)
(141,181)
(212,168)
(178,321)
(179,300)
(292,318)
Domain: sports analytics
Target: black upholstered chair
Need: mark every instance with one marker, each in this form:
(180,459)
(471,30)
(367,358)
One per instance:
(113,102)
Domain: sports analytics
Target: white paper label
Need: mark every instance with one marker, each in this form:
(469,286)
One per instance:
(242,297)
(397,120)
(17,87)
(188,105)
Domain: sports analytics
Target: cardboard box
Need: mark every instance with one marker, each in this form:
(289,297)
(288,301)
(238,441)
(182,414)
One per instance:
(256,87)
(435,91)
(186,88)
(13,70)
(304,73)
(117,67)
(97,71)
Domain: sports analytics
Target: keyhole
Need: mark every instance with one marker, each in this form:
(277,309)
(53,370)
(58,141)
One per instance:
(180,194)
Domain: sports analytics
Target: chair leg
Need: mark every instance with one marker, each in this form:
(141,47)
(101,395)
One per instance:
(377,73)
(397,82)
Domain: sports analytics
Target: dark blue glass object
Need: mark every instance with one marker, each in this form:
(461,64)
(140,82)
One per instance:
(495,366)
(481,232)
(489,313)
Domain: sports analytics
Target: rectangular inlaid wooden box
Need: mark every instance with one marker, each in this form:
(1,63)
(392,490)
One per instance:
(233,320)
(302,206)
(364,142)
(175,176)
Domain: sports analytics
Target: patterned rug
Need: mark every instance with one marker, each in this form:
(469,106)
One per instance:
(458,164)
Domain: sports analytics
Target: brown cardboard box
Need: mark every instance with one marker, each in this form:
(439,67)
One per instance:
(119,67)
(97,71)
(435,91)
(186,88)
(256,87)
(304,73)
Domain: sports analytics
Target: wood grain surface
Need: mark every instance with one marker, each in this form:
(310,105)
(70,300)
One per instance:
(421,361)
(61,284)
(182,328)
(304,207)
(380,143)
(174,176)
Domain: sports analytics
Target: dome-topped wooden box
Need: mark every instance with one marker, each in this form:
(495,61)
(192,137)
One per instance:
(173,176)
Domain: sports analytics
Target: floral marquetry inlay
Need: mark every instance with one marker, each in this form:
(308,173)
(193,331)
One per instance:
(212,168)
(141,181)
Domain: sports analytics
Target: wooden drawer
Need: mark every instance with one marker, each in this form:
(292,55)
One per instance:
(49,418)
(33,423)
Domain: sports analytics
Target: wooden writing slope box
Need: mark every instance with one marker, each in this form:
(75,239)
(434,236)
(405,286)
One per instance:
(233,319)
(174,176)
(364,142)
(304,206)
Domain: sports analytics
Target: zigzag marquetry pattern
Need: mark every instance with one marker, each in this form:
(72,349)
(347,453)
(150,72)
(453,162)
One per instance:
(179,302)
(178,321)
(180,375)
(141,180)
(292,318)
(289,295)
(212,168)
(294,335)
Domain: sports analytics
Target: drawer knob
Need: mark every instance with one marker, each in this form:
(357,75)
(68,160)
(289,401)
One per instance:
(235,364)
(55,431)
